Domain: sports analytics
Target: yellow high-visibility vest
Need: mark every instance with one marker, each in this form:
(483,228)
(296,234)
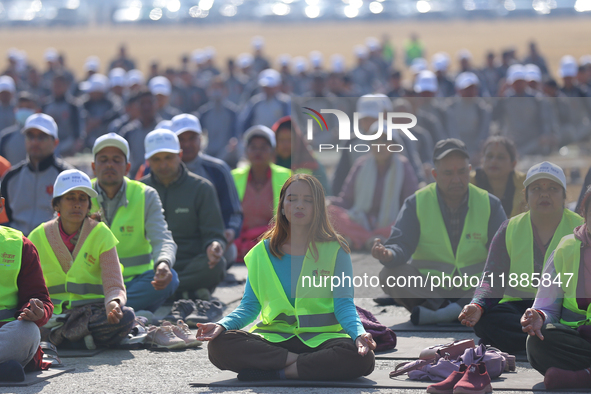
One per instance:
(279,175)
(519,239)
(434,254)
(312,319)
(128,226)
(11,253)
(82,284)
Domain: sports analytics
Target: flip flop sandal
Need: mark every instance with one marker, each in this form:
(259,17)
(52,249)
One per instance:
(50,354)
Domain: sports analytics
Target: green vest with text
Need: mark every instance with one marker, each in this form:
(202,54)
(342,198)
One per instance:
(82,284)
(519,239)
(434,254)
(128,226)
(312,319)
(279,175)
(11,253)
(567,258)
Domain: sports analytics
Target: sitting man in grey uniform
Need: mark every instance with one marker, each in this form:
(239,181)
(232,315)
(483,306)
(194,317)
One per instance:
(193,214)
(28,186)
(188,128)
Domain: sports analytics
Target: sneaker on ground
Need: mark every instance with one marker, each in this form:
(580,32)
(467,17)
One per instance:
(137,335)
(180,310)
(206,312)
(182,331)
(475,381)
(163,338)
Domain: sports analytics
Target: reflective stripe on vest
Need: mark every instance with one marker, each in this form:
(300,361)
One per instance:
(312,318)
(11,253)
(279,175)
(567,258)
(7,314)
(128,226)
(434,245)
(519,239)
(82,284)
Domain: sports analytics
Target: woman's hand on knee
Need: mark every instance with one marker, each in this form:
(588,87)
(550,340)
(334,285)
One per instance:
(209,331)
(365,343)
(470,315)
(114,313)
(532,323)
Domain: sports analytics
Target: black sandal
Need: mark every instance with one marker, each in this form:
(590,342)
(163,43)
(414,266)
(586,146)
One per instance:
(50,354)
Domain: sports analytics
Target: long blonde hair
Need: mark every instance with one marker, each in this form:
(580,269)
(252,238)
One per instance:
(321,229)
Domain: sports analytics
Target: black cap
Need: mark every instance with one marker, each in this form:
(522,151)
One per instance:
(445,147)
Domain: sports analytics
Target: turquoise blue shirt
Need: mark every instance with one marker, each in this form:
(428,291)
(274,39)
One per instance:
(288,269)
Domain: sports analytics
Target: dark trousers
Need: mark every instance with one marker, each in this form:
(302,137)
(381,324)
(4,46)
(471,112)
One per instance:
(335,359)
(562,347)
(195,274)
(501,327)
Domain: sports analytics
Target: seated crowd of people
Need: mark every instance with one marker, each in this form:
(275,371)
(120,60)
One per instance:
(196,170)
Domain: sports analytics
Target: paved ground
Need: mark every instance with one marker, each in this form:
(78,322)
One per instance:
(144,371)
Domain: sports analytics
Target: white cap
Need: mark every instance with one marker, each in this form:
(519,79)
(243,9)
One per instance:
(160,85)
(585,60)
(284,60)
(117,77)
(199,56)
(465,79)
(164,124)
(209,53)
(545,170)
(418,64)
(533,73)
(372,43)
(316,59)
(135,77)
(260,131)
(370,105)
(258,42)
(50,55)
(300,64)
(440,61)
(426,82)
(71,180)
(185,122)
(464,54)
(360,52)
(92,63)
(96,83)
(244,60)
(111,139)
(269,78)
(13,54)
(161,140)
(515,72)
(568,67)
(338,63)
(7,84)
(42,122)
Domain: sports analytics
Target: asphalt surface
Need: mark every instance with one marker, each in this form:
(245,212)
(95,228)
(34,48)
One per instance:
(146,371)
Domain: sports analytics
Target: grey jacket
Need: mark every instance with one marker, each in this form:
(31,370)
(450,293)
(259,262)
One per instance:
(192,211)
(29,191)
(157,232)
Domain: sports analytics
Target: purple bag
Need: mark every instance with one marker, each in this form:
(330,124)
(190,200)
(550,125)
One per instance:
(442,367)
(385,338)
